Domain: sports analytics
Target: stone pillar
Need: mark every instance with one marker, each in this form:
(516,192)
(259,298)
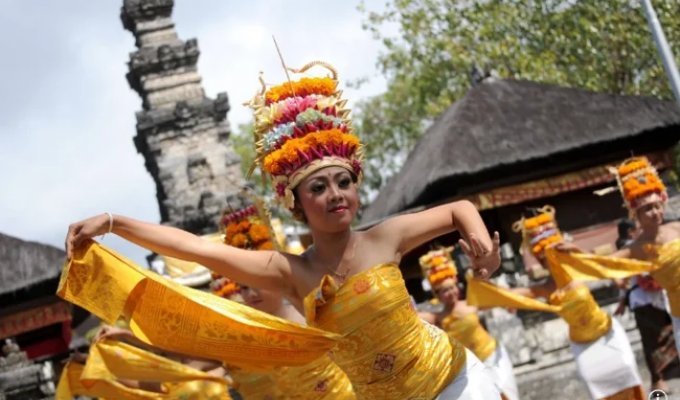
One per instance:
(182,134)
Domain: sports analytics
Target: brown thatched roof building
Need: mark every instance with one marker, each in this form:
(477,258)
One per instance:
(508,145)
(505,132)
(25,264)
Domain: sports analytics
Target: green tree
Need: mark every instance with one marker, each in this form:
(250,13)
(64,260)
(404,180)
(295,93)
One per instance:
(601,45)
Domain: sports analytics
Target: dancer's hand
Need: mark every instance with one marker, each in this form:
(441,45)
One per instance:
(568,247)
(112,332)
(484,261)
(85,229)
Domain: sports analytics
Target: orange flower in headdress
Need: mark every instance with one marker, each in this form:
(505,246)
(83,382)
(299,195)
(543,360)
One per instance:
(258,233)
(637,179)
(539,232)
(302,88)
(239,240)
(438,266)
(268,245)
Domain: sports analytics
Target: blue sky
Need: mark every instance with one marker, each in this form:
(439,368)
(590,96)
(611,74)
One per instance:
(67,113)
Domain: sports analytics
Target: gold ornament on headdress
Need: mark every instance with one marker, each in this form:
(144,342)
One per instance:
(438,265)
(540,231)
(302,126)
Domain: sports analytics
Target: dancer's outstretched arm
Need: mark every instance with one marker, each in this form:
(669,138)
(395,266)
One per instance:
(262,269)
(406,232)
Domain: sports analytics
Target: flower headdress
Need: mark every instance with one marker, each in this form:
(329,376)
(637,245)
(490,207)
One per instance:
(540,231)
(438,266)
(247,228)
(302,126)
(637,178)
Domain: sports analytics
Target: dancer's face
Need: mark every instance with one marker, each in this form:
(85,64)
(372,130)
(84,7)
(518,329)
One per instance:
(650,214)
(328,199)
(447,292)
(263,300)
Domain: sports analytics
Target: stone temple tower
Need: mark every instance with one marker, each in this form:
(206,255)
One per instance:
(182,134)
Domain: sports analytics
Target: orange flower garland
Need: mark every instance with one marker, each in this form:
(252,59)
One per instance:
(438,266)
(440,276)
(301,88)
(540,231)
(299,151)
(541,219)
(638,178)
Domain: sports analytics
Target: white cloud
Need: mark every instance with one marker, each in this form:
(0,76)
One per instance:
(67,114)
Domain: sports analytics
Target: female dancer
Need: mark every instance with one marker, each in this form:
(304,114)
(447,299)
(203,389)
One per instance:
(250,228)
(461,322)
(658,243)
(604,358)
(348,282)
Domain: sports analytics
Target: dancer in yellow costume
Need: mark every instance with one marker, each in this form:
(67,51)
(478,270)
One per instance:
(658,243)
(602,352)
(347,283)
(117,370)
(461,322)
(250,228)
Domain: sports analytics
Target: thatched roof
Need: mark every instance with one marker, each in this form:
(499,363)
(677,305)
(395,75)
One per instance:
(23,264)
(507,131)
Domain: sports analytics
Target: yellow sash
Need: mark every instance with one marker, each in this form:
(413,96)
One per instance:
(110,361)
(665,269)
(184,320)
(586,320)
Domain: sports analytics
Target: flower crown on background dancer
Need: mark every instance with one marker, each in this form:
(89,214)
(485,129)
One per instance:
(639,183)
(438,266)
(302,126)
(247,228)
(539,232)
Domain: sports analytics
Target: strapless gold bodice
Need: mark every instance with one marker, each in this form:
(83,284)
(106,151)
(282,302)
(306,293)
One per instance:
(469,331)
(386,350)
(586,320)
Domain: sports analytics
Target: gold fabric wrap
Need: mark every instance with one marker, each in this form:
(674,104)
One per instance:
(184,320)
(386,350)
(110,361)
(586,320)
(664,268)
(471,334)
(320,379)
(255,385)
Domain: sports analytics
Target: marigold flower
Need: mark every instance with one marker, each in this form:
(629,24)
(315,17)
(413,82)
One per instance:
(304,87)
(268,245)
(239,240)
(258,233)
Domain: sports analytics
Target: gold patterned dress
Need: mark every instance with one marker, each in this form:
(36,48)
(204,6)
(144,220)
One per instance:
(469,331)
(321,379)
(385,349)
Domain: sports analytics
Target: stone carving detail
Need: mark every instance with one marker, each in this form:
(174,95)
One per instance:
(182,134)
